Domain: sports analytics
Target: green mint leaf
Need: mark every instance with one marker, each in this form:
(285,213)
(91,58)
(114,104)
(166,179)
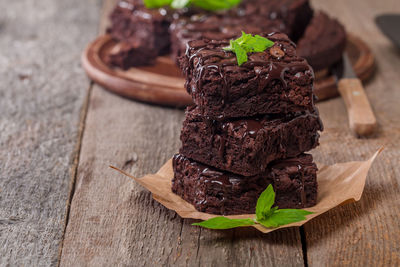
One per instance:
(241,54)
(224,223)
(248,43)
(270,212)
(157,3)
(230,47)
(179,3)
(210,5)
(264,203)
(265,214)
(244,38)
(257,44)
(214,5)
(283,217)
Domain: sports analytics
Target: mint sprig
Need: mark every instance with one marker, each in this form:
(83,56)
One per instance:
(247,43)
(224,223)
(210,5)
(266,215)
(265,202)
(156,3)
(284,216)
(214,5)
(176,4)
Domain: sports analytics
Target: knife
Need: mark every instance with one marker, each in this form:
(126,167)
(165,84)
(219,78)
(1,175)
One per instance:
(361,117)
(390,26)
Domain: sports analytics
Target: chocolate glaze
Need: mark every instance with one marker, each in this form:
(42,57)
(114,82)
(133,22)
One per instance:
(205,62)
(216,27)
(202,51)
(289,16)
(210,177)
(246,145)
(219,176)
(297,163)
(327,39)
(254,125)
(214,191)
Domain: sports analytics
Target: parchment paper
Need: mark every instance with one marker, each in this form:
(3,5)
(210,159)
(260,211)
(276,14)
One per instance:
(338,184)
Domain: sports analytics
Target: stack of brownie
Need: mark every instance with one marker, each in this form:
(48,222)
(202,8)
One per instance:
(249,128)
(143,34)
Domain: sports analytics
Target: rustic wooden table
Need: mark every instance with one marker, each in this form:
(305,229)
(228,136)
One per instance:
(61,204)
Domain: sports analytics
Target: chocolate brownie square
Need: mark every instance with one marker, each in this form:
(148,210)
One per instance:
(213,191)
(124,55)
(143,29)
(295,14)
(246,146)
(275,81)
(323,43)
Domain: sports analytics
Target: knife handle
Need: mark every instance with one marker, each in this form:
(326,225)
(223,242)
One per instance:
(361,117)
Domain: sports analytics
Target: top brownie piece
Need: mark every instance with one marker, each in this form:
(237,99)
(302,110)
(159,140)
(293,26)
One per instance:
(275,81)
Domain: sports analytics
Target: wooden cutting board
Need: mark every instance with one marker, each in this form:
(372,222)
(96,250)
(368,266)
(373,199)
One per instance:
(163,83)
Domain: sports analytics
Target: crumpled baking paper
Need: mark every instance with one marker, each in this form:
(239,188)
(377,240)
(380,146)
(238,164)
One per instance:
(338,184)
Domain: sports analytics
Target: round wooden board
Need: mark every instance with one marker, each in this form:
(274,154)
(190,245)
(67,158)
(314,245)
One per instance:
(163,83)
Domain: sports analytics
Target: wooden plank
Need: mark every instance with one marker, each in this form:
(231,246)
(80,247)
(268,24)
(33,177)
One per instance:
(366,233)
(42,90)
(111,217)
(113,220)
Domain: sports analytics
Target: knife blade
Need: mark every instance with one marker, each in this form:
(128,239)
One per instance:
(361,117)
(390,26)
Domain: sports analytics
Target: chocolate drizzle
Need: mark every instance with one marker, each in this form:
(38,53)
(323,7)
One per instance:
(219,26)
(217,192)
(298,163)
(223,131)
(207,59)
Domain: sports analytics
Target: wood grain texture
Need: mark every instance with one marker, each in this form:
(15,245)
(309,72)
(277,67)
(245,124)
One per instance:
(42,88)
(366,233)
(115,221)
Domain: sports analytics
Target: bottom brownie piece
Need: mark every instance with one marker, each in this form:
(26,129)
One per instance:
(213,191)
